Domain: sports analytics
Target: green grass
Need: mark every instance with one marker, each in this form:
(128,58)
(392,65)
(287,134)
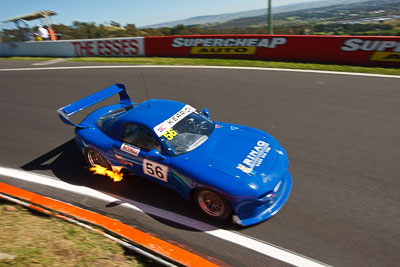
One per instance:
(27,58)
(227,62)
(36,240)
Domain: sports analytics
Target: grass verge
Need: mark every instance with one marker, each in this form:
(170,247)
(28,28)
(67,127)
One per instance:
(28,238)
(226,62)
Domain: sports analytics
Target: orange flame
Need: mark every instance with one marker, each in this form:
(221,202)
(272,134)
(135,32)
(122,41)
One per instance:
(115,174)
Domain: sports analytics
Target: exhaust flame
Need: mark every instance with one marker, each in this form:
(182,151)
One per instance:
(115,174)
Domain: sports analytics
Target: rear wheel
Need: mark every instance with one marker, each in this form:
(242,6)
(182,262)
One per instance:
(212,204)
(92,158)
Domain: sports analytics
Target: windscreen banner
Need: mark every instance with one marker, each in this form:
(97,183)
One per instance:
(384,51)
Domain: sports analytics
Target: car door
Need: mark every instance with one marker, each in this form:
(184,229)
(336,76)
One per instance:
(142,153)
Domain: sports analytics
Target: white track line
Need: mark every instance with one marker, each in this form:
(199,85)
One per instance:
(202,67)
(233,237)
(49,62)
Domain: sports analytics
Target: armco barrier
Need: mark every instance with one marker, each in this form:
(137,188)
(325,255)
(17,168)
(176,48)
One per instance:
(112,47)
(383,51)
(358,50)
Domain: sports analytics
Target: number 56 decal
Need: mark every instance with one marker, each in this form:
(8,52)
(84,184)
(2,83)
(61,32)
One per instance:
(155,170)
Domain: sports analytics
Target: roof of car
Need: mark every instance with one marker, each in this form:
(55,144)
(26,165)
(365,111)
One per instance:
(152,112)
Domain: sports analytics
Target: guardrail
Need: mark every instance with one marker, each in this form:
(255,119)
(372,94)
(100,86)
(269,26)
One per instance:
(111,47)
(357,50)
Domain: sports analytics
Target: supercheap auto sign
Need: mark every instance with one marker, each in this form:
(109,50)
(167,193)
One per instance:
(212,45)
(322,49)
(227,46)
(385,51)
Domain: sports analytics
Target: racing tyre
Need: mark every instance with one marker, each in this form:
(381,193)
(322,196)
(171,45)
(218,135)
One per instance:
(92,157)
(212,204)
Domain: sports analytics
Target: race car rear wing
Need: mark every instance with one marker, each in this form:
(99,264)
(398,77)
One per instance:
(65,112)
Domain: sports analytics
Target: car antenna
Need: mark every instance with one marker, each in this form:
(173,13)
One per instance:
(145,87)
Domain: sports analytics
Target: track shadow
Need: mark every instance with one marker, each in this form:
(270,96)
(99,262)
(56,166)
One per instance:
(67,164)
(64,161)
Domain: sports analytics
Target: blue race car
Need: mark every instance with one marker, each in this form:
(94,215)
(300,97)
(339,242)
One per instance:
(224,169)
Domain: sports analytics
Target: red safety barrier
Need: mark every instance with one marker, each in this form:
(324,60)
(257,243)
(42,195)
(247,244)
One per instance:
(358,50)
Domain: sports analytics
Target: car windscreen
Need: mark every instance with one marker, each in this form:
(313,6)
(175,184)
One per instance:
(189,133)
(107,120)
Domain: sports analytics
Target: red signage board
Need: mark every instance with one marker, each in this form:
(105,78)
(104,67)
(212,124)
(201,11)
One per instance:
(323,49)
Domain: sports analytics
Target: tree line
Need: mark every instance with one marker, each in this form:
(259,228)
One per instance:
(90,30)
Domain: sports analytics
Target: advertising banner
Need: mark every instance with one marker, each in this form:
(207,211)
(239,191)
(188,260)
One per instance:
(322,49)
(111,47)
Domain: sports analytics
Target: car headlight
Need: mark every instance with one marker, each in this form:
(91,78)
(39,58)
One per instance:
(266,197)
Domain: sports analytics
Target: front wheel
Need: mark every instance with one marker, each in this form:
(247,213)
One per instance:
(212,204)
(92,158)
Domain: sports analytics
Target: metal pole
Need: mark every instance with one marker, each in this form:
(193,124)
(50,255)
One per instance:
(270,27)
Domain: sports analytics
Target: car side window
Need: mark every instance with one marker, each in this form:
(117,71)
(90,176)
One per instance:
(140,136)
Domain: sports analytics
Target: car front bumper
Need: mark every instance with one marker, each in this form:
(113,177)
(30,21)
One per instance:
(269,209)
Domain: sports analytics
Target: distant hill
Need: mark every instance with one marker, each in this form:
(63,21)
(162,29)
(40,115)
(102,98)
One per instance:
(210,19)
(338,12)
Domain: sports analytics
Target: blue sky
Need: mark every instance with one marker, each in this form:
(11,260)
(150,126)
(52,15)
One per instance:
(138,12)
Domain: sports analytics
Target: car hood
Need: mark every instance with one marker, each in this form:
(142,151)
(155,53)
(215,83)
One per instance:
(246,154)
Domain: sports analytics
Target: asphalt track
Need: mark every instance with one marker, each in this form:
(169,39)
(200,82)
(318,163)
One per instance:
(341,132)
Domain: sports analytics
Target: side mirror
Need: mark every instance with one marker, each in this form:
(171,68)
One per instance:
(155,154)
(206,113)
